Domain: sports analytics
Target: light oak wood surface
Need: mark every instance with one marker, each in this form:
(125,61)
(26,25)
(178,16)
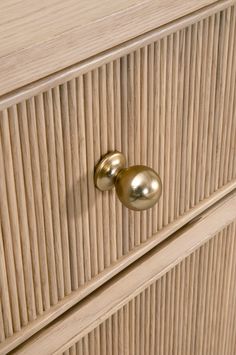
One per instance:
(106,301)
(38,38)
(170,105)
(98,59)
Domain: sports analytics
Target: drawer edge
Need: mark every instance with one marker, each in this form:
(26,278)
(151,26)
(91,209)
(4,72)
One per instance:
(72,326)
(25,91)
(110,272)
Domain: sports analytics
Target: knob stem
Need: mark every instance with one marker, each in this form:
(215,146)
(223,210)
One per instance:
(108,169)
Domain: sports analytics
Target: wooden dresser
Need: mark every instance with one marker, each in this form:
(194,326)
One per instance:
(80,273)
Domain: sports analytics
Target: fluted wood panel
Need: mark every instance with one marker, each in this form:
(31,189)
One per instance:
(190,310)
(170,105)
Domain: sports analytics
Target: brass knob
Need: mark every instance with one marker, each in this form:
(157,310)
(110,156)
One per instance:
(138,187)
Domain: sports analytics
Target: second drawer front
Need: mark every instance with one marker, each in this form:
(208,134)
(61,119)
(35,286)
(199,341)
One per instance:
(169,105)
(190,310)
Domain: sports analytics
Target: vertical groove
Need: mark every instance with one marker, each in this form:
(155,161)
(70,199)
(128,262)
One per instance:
(38,200)
(43,161)
(111,146)
(132,327)
(5,310)
(180,42)
(191,116)
(90,168)
(150,125)
(167,117)
(75,190)
(97,155)
(143,128)
(152,311)
(147,320)
(83,183)
(156,131)
(61,190)
(104,150)
(211,127)
(65,121)
(201,114)
(209,52)
(137,329)
(173,113)
(91,339)
(137,130)
(49,127)
(126,330)
(118,146)
(115,339)
(131,136)
(162,118)
(184,118)
(124,143)
(196,142)
(220,86)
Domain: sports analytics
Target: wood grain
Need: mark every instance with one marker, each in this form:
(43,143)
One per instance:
(38,39)
(187,311)
(105,57)
(83,291)
(160,106)
(106,301)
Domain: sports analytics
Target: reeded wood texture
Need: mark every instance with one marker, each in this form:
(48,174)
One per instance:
(101,304)
(170,105)
(190,310)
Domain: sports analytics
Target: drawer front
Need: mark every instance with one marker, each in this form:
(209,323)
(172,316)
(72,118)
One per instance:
(190,310)
(169,105)
(177,298)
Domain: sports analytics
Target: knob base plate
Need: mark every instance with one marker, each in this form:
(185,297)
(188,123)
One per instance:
(107,169)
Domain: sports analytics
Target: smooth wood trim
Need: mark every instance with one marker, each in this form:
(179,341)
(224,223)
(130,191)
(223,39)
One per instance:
(31,64)
(113,270)
(73,325)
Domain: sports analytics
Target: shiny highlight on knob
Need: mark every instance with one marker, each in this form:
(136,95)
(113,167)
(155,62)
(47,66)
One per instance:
(138,187)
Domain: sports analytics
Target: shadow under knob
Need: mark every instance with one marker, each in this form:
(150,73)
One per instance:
(138,187)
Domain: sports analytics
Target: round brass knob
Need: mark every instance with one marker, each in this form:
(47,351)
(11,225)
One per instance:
(138,187)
